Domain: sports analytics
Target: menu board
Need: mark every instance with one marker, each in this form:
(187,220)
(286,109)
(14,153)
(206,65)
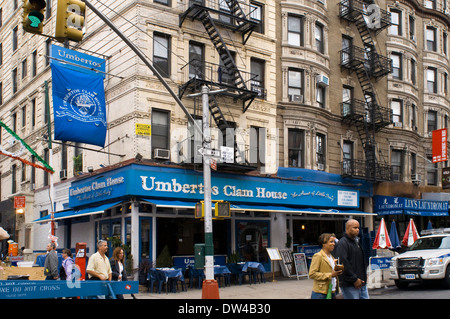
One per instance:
(273,253)
(301,268)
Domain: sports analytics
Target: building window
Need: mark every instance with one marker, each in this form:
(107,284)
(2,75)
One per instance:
(33,112)
(320,151)
(347,97)
(413,117)
(444,43)
(257,73)
(347,155)
(319,37)
(164,2)
(24,68)
(413,71)
(196,60)
(14,80)
(14,39)
(347,45)
(34,63)
(295,87)
(431,39)
(430,4)
(432,80)
(13,179)
(295,30)
(432,170)
(320,96)
(397,111)
(413,164)
(432,121)
(160,129)
(412,29)
(1,53)
(396,163)
(396,26)
(397,66)
(24,116)
(161,49)
(256,14)
(296,143)
(257,146)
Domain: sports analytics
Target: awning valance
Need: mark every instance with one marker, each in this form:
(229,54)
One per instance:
(73,213)
(260,208)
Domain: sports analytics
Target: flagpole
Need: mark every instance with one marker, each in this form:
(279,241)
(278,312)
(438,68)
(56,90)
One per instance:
(50,158)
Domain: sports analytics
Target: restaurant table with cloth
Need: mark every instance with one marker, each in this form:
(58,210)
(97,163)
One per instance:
(254,269)
(222,272)
(169,276)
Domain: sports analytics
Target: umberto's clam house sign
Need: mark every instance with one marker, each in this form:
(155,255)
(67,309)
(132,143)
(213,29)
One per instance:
(179,184)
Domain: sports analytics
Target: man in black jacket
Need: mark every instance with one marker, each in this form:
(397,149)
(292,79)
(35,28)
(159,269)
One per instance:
(351,255)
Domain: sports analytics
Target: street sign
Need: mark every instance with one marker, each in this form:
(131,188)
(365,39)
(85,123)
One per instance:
(209,152)
(19,201)
(227,154)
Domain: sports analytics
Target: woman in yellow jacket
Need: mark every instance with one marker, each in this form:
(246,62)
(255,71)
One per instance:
(322,269)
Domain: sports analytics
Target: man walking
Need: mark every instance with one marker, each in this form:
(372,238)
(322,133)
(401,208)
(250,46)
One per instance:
(98,266)
(51,262)
(351,255)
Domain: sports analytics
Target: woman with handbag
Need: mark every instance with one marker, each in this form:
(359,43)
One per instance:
(322,270)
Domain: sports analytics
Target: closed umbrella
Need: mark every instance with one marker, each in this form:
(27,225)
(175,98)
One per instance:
(411,234)
(382,240)
(393,236)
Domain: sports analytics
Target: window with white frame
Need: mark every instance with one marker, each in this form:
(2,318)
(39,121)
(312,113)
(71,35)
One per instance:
(295,87)
(295,30)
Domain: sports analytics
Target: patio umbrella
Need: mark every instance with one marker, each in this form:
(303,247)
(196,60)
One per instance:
(393,236)
(429,226)
(382,240)
(411,234)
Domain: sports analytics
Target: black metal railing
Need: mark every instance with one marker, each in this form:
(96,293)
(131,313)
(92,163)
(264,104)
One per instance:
(358,169)
(365,112)
(355,57)
(375,17)
(218,75)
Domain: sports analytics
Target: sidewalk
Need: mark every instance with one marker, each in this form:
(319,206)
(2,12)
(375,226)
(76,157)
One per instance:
(282,288)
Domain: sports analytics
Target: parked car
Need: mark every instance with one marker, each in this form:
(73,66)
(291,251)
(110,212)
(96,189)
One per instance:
(427,259)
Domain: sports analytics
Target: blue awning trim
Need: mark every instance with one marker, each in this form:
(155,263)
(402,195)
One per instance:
(262,208)
(71,213)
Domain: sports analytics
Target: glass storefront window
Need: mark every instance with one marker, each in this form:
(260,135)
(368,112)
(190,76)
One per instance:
(252,239)
(145,238)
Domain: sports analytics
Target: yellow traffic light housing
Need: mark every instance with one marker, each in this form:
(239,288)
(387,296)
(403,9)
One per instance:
(70,16)
(33,15)
(222,209)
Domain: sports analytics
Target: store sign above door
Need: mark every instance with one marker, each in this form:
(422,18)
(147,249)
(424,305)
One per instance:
(392,205)
(179,184)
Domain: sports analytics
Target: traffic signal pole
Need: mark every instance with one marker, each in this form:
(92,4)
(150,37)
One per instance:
(210,286)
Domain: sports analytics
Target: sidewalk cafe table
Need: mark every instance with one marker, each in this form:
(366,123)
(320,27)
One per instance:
(255,269)
(222,271)
(172,273)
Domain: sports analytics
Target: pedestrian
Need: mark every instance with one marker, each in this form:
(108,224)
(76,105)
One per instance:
(65,272)
(51,262)
(351,255)
(118,267)
(98,267)
(322,270)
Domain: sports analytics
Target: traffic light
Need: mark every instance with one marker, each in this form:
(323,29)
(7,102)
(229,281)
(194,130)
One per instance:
(199,210)
(33,15)
(70,20)
(222,209)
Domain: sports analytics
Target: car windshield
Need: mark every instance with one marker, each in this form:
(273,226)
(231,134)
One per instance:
(432,243)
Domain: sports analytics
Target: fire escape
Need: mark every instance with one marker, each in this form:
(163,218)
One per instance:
(241,86)
(367,116)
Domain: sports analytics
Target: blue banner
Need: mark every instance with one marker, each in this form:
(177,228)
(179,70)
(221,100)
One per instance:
(394,205)
(78,105)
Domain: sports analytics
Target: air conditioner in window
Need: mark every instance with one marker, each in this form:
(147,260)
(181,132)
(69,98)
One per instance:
(296,98)
(398,124)
(320,166)
(161,153)
(322,80)
(415,178)
(63,174)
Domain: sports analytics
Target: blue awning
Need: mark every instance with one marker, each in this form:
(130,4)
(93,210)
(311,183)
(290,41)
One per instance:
(71,213)
(259,208)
